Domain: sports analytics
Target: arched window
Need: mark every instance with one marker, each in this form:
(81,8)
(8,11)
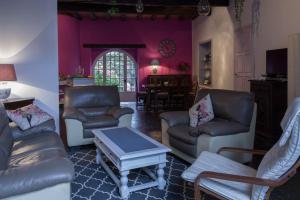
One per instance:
(116,67)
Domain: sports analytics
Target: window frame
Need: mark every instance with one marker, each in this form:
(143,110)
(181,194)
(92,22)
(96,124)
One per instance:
(125,68)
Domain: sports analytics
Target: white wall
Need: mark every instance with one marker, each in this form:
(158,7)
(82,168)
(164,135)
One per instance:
(28,39)
(219,28)
(278,19)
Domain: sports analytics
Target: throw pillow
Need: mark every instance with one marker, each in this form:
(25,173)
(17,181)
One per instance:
(201,112)
(28,116)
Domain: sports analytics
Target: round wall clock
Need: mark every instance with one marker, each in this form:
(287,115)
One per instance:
(167,48)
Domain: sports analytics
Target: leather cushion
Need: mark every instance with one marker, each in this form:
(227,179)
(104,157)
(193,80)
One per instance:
(91,96)
(36,142)
(189,149)
(219,127)
(181,132)
(100,122)
(5,146)
(231,105)
(6,139)
(36,174)
(176,117)
(91,112)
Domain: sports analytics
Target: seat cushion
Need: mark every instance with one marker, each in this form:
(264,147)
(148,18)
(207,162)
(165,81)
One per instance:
(100,122)
(219,127)
(35,172)
(37,161)
(36,142)
(180,139)
(216,163)
(181,132)
(189,149)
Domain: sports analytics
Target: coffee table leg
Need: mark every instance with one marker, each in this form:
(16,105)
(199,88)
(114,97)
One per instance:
(160,176)
(98,156)
(124,191)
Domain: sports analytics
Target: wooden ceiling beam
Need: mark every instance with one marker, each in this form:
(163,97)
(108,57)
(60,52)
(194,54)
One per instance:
(165,9)
(111,46)
(148,2)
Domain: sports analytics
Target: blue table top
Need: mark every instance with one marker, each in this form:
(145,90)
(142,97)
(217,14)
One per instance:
(128,140)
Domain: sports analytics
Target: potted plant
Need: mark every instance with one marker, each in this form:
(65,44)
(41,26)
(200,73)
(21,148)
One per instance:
(184,67)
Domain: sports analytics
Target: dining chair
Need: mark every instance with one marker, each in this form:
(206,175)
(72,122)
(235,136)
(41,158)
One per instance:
(223,178)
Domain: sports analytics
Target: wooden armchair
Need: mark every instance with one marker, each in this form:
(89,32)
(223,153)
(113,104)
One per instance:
(223,178)
(243,179)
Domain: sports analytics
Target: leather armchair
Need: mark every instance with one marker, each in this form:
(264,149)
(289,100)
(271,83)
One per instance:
(92,107)
(233,126)
(33,163)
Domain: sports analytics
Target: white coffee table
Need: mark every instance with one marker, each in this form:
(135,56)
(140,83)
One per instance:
(130,149)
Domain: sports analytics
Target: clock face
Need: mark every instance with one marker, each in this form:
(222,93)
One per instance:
(167,48)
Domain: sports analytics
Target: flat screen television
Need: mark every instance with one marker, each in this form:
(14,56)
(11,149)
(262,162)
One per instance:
(277,61)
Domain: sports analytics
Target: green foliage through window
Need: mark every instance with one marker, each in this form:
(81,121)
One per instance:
(116,68)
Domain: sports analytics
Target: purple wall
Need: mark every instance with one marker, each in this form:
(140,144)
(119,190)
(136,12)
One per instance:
(126,32)
(68,44)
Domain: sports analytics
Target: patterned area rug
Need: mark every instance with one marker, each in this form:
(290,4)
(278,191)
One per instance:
(92,182)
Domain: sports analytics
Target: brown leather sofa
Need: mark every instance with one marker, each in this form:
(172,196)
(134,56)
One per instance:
(233,126)
(33,164)
(92,107)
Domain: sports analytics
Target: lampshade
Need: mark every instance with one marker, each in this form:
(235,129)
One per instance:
(154,62)
(7,72)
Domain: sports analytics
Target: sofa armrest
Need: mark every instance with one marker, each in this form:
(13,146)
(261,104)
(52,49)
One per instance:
(33,177)
(176,117)
(72,113)
(18,133)
(118,112)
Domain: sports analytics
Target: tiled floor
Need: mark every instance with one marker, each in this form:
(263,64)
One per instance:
(149,123)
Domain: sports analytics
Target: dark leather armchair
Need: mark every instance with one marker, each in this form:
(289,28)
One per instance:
(233,126)
(92,107)
(33,164)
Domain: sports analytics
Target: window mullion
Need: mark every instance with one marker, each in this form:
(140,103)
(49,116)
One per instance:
(104,69)
(125,73)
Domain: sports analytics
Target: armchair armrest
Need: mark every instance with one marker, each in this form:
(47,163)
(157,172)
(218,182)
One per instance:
(118,112)
(176,117)
(241,150)
(235,178)
(72,113)
(18,133)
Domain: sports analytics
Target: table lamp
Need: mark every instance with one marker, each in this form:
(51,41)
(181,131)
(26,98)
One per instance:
(154,64)
(7,73)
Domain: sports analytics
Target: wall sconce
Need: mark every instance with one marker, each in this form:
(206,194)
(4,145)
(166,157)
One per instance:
(154,64)
(7,73)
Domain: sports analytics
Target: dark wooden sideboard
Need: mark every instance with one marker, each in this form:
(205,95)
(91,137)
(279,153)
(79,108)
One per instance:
(179,80)
(15,103)
(271,99)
